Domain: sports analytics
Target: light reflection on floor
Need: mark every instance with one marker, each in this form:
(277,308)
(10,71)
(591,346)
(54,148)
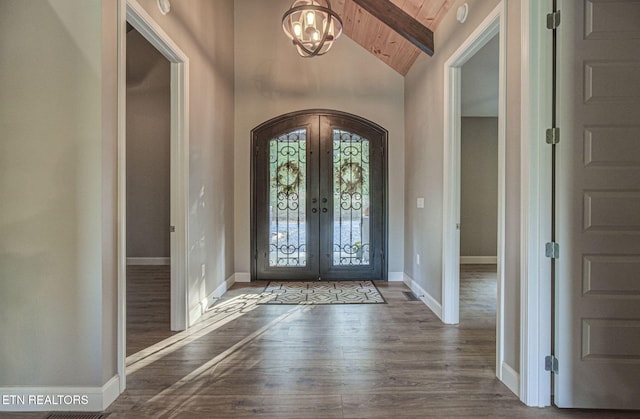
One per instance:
(216,317)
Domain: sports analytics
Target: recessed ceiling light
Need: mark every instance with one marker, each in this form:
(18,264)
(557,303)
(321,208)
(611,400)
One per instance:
(164,6)
(462,13)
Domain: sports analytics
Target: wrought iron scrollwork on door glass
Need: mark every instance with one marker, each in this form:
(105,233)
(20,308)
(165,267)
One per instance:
(287,199)
(351,245)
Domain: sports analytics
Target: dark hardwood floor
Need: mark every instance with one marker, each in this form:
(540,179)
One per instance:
(344,361)
(384,360)
(148,303)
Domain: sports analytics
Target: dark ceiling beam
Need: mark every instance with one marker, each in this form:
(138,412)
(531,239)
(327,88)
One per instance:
(398,20)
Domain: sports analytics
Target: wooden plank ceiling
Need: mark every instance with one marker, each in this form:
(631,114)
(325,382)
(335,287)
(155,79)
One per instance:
(386,44)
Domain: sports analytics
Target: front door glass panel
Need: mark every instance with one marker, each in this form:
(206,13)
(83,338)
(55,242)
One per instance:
(287,200)
(351,227)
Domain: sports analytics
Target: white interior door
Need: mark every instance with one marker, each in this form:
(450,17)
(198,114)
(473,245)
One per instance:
(598,213)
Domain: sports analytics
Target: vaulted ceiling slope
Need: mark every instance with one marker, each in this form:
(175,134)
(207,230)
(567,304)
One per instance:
(382,41)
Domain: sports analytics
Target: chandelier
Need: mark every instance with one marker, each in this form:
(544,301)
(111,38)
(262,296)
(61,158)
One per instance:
(312,26)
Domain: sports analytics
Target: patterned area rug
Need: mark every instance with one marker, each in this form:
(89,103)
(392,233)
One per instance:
(330,292)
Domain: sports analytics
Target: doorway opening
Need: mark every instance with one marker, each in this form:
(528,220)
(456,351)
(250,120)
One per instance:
(479,186)
(490,34)
(148,193)
(319,198)
(479,157)
(131,13)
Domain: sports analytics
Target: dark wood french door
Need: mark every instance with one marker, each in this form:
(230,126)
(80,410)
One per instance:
(319,198)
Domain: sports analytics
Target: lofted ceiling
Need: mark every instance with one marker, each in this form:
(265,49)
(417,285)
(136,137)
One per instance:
(382,41)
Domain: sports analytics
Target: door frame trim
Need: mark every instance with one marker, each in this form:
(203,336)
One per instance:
(535,206)
(385,180)
(131,11)
(494,24)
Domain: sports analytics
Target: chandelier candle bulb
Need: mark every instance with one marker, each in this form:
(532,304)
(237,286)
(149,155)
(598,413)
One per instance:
(297,29)
(310,18)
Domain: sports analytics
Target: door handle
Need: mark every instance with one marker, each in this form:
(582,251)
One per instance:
(314,210)
(324,200)
(324,210)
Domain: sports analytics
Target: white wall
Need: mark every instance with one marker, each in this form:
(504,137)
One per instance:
(480,81)
(271,79)
(479,187)
(56,231)
(424,121)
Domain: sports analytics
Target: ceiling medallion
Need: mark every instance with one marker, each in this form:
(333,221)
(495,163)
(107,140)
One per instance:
(312,26)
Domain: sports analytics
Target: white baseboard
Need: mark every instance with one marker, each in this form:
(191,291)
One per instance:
(395,277)
(218,292)
(110,391)
(66,399)
(478,260)
(424,296)
(197,311)
(149,261)
(511,378)
(242,277)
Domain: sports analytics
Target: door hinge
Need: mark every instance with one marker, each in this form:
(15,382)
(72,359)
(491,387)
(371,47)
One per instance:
(172,229)
(552,250)
(553,20)
(553,136)
(551,363)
